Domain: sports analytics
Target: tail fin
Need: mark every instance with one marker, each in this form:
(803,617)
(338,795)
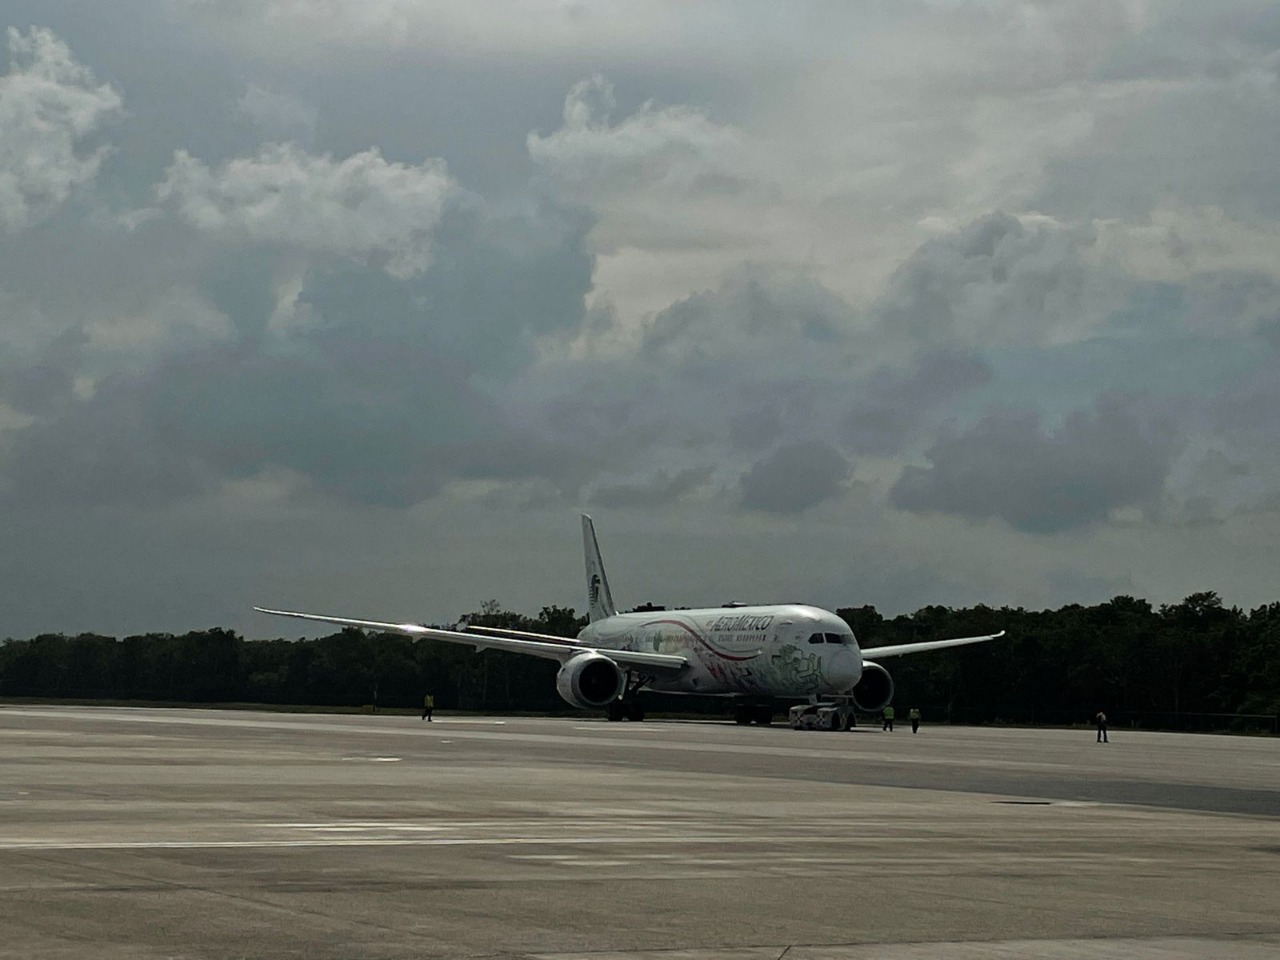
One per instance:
(599,599)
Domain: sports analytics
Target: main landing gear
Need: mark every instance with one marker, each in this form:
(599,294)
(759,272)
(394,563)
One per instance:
(625,710)
(627,707)
(745,713)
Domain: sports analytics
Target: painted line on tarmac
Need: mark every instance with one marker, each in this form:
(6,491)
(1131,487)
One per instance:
(348,841)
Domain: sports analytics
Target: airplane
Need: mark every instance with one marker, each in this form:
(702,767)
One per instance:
(750,653)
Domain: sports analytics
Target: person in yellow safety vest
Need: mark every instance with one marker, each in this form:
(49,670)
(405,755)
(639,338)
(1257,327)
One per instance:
(888,718)
(914,716)
(428,704)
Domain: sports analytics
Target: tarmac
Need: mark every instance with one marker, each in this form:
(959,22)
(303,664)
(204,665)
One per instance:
(150,833)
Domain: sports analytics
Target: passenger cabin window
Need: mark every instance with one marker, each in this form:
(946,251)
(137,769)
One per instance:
(815,638)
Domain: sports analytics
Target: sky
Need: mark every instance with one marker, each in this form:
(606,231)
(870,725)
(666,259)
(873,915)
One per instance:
(352,306)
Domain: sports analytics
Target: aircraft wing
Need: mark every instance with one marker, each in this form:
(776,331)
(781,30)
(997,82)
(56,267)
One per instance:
(550,648)
(464,627)
(896,650)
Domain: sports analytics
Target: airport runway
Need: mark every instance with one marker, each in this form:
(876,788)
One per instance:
(140,833)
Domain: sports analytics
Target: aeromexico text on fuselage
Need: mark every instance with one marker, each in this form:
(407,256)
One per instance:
(786,651)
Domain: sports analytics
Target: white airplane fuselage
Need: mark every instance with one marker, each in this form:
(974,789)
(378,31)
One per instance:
(785,650)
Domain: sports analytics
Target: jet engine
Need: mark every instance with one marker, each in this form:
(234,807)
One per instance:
(875,690)
(590,680)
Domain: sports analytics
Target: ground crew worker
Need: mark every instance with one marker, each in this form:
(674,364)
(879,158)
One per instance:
(914,716)
(888,718)
(1101,720)
(428,704)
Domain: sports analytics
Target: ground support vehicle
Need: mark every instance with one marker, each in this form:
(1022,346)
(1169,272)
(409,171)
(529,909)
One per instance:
(828,715)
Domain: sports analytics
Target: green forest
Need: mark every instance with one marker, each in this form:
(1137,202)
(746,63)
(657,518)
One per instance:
(1193,665)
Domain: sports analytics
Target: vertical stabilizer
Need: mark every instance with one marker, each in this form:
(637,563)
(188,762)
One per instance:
(599,599)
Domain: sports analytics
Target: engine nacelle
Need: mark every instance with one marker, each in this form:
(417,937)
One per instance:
(874,691)
(590,680)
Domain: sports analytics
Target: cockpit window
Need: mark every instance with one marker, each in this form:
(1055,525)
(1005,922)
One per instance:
(815,638)
(836,638)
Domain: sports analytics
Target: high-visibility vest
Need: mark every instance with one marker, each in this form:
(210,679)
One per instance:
(428,701)
(888,713)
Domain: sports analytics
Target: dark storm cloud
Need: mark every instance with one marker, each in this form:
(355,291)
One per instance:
(306,273)
(892,403)
(376,422)
(720,375)
(494,284)
(1246,409)
(756,426)
(794,477)
(759,358)
(123,447)
(1007,466)
(374,394)
(41,386)
(754,306)
(994,271)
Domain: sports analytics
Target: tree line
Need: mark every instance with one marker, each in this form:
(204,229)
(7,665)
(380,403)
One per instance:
(1197,663)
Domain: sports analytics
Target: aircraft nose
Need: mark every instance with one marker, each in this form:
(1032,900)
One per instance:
(846,668)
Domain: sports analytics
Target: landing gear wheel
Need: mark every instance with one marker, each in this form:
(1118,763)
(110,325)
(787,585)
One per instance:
(635,712)
(615,711)
(742,715)
(764,716)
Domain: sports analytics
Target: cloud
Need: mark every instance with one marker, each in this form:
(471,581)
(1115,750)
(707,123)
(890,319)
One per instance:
(854,230)
(488,29)
(49,108)
(390,390)
(893,402)
(370,422)
(1269,330)
(1177,237)
(754,311)
(794,477)
(1006,466)
(1184,39)
(999,277)
(282,115)
(122,446)
(676,147)
(42,385)
(1199,128)
(659,489)
(765,355)
(363,207)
